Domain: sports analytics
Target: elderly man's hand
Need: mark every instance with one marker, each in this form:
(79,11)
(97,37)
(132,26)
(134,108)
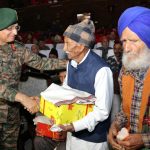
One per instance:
(113,131)
(67,128)
(132,142)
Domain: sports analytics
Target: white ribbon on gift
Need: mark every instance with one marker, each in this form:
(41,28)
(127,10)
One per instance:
(55,93)
(42,119)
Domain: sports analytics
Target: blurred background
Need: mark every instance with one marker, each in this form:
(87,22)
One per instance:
(56,15)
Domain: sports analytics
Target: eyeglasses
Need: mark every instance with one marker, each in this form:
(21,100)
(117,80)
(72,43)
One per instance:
(11,28)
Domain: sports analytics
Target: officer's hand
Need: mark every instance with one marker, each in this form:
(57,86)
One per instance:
(32,105)
(29,103)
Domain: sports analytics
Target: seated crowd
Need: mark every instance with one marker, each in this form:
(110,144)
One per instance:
(103,73)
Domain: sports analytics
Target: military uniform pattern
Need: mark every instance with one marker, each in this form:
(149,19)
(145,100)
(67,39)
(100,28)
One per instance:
(9,131)
(12,57)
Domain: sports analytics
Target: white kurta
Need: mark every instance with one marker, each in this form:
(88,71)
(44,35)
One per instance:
(104,94)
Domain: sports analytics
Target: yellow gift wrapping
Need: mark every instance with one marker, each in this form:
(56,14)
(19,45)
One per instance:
(64,114)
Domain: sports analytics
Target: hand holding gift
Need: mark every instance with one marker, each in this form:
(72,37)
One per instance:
(73,104)
(46,128)
(122,134)
(67,128)
(129,141)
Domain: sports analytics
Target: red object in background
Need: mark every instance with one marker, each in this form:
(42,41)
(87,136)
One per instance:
(34,2)
(44,130)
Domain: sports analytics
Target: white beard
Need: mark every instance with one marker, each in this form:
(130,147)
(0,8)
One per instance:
(140,61)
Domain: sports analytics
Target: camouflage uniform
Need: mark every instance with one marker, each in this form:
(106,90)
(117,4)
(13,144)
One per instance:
(12,56)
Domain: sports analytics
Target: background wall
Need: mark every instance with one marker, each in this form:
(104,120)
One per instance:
(59,15)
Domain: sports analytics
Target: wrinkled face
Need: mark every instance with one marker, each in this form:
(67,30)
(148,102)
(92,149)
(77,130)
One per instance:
(8,35)
(132,44)
(136,54)
(74,50)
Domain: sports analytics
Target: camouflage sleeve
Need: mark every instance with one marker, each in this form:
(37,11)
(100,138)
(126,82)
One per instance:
(146,139)
(7,92)
(39,63)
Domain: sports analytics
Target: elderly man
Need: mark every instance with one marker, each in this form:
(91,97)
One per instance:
(12,55)
(115,65)
(134,31)
(88,72)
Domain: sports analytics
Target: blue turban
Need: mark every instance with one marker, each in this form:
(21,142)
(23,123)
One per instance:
(137,19)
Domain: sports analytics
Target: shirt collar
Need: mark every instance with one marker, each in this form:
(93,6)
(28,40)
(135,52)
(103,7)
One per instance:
(75,64)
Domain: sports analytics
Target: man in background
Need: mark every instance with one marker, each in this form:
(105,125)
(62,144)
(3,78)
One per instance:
(115,64)
(104,50)
(35,49)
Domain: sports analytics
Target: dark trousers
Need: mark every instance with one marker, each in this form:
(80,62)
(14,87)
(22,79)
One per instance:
(9,130)
(45,143)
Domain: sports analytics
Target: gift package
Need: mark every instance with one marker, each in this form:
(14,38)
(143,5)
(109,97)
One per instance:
(43,129)
(64,105)
(66,113)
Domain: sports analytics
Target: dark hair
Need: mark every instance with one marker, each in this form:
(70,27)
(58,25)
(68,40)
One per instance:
(117,41)
(54,51)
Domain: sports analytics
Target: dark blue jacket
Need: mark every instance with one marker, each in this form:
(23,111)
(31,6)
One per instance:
(83,78)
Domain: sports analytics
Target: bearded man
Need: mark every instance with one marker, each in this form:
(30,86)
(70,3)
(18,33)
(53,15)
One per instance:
(134,32)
